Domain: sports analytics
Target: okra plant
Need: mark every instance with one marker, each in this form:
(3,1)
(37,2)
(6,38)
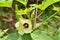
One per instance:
(34,19)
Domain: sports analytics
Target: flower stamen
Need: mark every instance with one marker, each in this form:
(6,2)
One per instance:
(26,25)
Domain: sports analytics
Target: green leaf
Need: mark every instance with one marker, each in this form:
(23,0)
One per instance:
(13,36)
(56,8)
(26,37)
(6,3)
(47,3)
(2,32)
(16,36)
(0,39)
(20,12)
(40,35)
(23,2)
(58,35)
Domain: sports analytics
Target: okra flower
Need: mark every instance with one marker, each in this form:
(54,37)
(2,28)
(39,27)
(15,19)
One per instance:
(24,26)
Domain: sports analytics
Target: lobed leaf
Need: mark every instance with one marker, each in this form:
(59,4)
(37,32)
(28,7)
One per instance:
(6,3)
(47,3)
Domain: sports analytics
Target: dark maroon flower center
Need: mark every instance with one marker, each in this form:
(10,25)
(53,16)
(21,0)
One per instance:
(26,25)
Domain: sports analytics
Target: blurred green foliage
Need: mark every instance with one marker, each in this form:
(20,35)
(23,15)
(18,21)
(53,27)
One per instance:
(48,25)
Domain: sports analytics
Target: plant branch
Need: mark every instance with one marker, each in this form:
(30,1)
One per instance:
(36,11)
(46,20)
